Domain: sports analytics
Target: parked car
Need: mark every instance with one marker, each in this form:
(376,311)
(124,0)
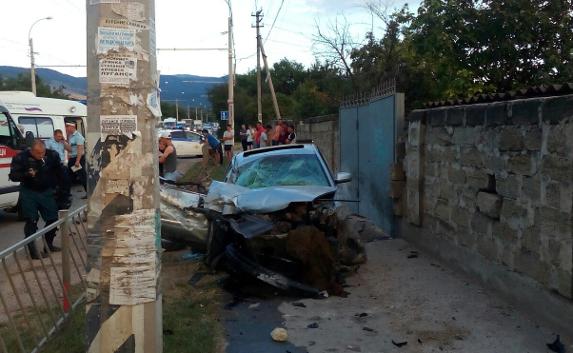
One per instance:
(187,143)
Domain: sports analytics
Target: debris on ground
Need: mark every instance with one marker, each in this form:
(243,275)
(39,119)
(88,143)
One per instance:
(279,334)
(413,254)
(313,325)
(299,304)
(399,344)
(254,306)
(556,346)
(192,256)
(368,329)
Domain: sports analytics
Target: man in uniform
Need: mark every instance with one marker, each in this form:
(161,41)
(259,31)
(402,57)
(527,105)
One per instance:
(58,143)
(38,171)
(76,158)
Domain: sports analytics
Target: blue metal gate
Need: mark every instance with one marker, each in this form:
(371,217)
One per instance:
(367,150)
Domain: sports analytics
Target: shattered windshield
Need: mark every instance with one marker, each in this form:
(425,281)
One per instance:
(282,170)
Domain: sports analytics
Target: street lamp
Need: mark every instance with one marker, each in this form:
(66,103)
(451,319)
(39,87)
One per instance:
(32,64)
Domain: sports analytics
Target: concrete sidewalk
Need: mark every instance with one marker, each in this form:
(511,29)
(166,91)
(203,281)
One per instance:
(418,301)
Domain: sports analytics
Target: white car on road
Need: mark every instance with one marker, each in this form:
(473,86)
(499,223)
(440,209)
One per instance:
(187,143)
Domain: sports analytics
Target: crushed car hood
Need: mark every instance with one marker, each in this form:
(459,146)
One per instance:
(233,199)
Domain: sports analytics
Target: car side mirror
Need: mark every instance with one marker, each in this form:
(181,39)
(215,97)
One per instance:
(342,177)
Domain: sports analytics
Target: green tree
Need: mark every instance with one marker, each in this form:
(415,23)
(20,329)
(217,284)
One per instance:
(21,82)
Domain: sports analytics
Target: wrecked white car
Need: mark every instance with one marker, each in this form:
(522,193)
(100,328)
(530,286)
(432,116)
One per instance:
(274,218)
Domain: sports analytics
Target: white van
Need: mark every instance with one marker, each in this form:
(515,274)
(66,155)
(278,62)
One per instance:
(42,116)
(22,113)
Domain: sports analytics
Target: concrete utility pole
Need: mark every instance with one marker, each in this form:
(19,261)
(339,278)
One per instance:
(270,80)
(32,62)
(123,298)
(177,110)
(230,101)
(259,17)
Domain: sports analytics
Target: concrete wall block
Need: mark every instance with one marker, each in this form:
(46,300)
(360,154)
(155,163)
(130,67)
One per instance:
(443,211)
(413,205)
(522,164)
(553,223)
(466,238)
(533,139)
(468,199)
(455,116)
(475,115)
(448,193)
(487,247)
(506,234)
(438,135)
(560,253)
(497,114)
(531,188)
(481,224)
(565,283)
(531,239)
(530,264)
(508,186)
(514,214)
(471,157)
(414,133)
(461,218)
(555,110)
(465,135)
(511,139)
(456,175)
(495,164)
(526,112)
(557,139)
(557,168)
(552,196)
(477,180)
(437,117)
(489,204)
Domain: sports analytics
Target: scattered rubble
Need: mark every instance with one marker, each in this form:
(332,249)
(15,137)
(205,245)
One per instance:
(279,334)
(556,346)
(399,344)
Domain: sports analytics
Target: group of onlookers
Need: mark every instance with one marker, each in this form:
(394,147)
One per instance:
(262,136)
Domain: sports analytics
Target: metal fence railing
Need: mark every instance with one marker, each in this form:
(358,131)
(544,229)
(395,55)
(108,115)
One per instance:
(37,296)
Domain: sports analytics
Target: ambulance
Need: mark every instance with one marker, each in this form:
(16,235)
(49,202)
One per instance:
(23,117)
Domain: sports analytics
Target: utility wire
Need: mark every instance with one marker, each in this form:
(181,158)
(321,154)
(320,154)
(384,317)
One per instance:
(275,20)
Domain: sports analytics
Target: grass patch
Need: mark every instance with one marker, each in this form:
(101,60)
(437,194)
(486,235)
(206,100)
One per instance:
(190,314)
(199,174)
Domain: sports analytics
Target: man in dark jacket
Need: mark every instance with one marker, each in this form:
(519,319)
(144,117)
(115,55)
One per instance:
(38,171)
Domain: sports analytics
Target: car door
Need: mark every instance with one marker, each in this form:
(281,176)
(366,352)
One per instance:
(194,141)
(179,140)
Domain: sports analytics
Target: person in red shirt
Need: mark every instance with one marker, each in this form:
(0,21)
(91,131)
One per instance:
(260,130)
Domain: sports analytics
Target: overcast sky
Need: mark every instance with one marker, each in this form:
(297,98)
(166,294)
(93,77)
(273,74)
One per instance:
(182,24)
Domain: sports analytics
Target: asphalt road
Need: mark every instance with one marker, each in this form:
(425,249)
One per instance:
(12,230)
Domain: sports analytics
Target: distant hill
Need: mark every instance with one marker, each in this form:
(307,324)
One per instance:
(172,86)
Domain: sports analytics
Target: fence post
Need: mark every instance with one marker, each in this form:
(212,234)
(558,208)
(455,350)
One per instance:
(64,234)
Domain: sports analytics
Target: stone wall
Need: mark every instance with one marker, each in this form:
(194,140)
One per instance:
(497,180)
(324,132)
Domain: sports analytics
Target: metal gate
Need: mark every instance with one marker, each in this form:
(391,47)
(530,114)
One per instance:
(368,130)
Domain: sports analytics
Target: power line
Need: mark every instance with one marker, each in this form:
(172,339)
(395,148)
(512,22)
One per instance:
(275,20)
